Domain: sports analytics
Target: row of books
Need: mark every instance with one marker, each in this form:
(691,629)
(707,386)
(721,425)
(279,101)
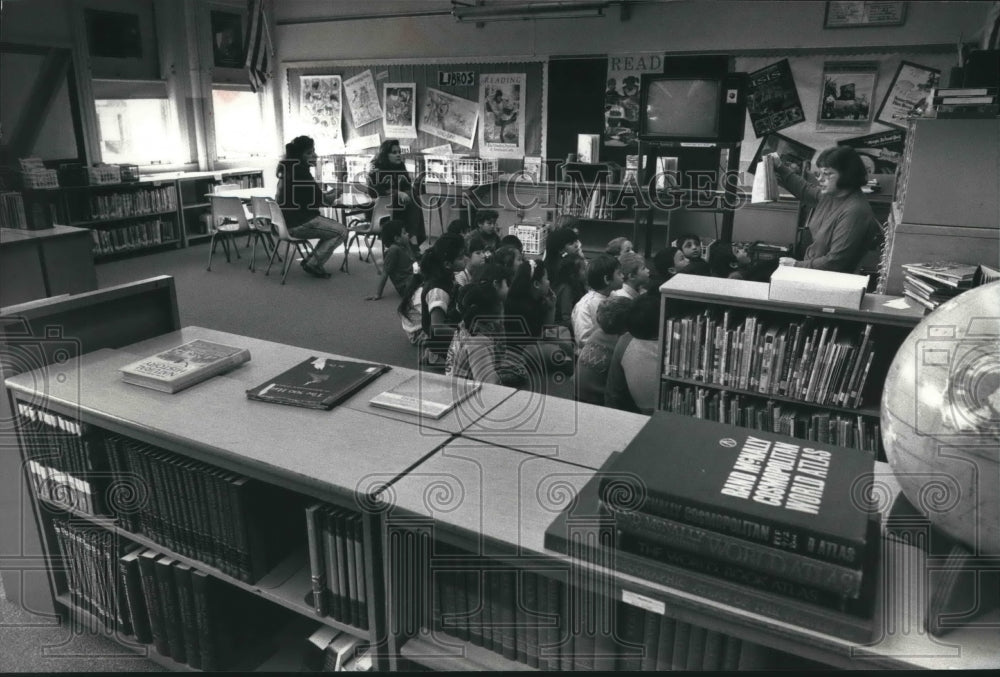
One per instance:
(133,236)
(755,520)
(970,102)
(545,623)
(151,200)
(12,213)
(337,564)
(842,430)
(820,362)
(240,526)
(189,616)
(931,284)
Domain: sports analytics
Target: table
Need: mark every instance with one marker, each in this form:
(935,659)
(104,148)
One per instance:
(37,264)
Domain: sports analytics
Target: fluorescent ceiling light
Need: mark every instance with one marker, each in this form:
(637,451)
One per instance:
(509,11)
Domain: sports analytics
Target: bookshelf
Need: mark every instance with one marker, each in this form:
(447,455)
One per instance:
(730,354)
(193,206)
(184,483)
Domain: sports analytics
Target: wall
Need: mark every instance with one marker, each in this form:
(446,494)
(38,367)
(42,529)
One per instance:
(682,26)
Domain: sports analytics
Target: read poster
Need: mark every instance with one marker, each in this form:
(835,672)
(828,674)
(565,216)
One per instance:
(450,117)
(880,152)
(399,110)
(320,111)
(621,97)
(772,99)
(362,97)
(501,96)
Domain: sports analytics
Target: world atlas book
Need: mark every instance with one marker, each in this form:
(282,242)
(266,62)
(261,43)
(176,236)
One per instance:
(318,383)
(184,365)
(763,487)
(427,395)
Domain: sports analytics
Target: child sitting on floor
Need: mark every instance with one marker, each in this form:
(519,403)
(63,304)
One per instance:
(595,356)
(473,352)
(635,275)
(604,275)
(399,259)
(619,246)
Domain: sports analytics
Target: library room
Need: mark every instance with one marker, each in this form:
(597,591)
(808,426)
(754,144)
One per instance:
(499,335)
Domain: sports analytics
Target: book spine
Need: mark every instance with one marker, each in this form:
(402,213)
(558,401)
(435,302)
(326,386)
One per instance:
(682,640)
(665,644)
(476,602)
(185,603)
(633,652)
(530,621)
(507,601)
(352,568)
(696,648)
(361,569)
(331,562)
(520,628)
(759,557)
(650,641)
(803,541)
(134,597)
(316,560)
(171,608)
(154,605)
(342,600)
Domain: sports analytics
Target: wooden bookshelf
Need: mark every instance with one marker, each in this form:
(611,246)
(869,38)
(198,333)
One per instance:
(721,339)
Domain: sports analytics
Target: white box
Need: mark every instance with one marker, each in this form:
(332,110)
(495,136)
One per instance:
(588,147)
(808,286)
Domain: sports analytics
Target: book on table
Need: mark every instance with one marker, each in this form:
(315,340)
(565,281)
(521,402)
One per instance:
(318,382)
(184,365)
(759,486)
(428,395)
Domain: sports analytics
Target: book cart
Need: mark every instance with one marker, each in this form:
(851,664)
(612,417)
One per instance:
(172,494)
(729,354)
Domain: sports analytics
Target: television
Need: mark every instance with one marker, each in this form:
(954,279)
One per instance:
(704,109)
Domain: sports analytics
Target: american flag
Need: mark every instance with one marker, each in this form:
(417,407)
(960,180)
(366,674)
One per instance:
(259,48)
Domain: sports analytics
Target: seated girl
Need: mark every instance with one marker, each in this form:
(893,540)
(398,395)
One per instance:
(436,286)
(570,286)
(473,352)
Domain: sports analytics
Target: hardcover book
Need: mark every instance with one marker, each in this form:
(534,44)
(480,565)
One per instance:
(184,365)
(318,383)
(427,395)
(765,488)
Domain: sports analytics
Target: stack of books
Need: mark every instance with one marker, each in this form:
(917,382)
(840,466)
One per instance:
(330,650)
(754,520)
(965,102)
(931,284)
(337,564)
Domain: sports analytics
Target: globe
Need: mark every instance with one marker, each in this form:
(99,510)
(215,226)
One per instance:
(941,418)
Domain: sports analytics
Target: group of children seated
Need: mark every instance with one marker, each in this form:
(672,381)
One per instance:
(477,308)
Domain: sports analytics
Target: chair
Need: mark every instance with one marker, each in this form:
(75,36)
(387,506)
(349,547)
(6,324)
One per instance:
(228,221)
(302,246)
(367,224)
(261,228)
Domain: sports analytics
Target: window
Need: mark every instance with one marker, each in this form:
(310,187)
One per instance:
(240,132)
(136,123)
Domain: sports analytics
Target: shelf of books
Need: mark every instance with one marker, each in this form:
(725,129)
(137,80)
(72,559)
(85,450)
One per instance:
(728,354)
(199,548)
(195,209)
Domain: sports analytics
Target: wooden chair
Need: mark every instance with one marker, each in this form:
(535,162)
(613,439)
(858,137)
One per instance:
(228,221)
(261,228)
(302,245)
(367,225)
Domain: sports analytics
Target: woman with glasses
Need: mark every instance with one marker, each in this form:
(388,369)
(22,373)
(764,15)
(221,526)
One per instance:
(842,224)
(387,175)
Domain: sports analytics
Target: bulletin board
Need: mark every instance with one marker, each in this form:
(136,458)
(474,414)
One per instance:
(461,79)
(807,71)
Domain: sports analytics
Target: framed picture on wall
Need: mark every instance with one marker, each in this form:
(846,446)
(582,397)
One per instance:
(911,85)
(227,40)
(846,95)
(859,14)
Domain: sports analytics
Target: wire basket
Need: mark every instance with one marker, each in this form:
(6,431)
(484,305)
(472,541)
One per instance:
(104,174)
(532,237)
(474,171)
(41,178)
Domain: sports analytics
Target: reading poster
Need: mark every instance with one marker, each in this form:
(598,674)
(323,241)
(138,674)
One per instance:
(880,152)
(362,97)
(772,99)
(320,111)
(501,97)
(450,117)
(399,110)
(621,97)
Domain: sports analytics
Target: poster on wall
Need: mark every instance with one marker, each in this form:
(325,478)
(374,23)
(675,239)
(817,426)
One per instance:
(399,110)
(909,88)
(450,117)
(846,96)
(772,99)
(621,97)
(320,111)
(880,152)
(501,96)
(798,156)
(362,98)
(227,40)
